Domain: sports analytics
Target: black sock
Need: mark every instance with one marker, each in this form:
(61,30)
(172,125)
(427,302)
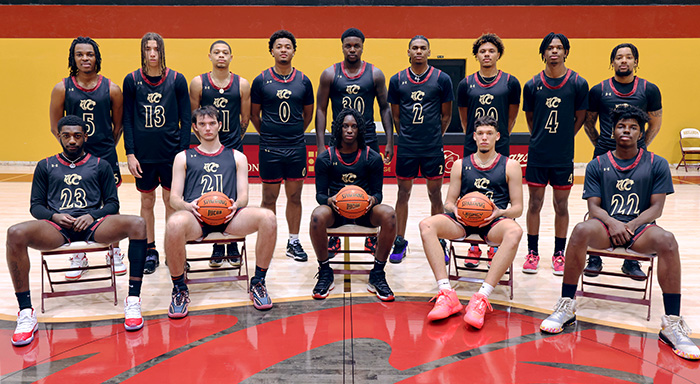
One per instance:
(135,287)
(559,244)
(259,275)
(399,239)
(137,257)
(378,265)
(24,299)
(532,241)
(568,290)
(325,264)
(179,282)
(672,304)
(151,245)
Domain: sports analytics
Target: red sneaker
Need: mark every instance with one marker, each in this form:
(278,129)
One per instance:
(476,310)
(446,304)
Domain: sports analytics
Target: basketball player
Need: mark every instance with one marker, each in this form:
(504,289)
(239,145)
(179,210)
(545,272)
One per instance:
(73,198)
(213,167)
(282,107)
(488,91)
(98,101)
(555,102)
(421,104)
(156,127)
(499,178)
(626,190)
(230,94)
(623,88)
(354,83)
(349,161)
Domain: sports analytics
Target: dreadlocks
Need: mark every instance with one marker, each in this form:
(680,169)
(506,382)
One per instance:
(72,65)
(337,127)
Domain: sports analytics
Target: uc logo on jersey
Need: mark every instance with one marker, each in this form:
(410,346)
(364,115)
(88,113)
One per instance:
(154,97)
(352,89)
(481,183)
(220,102)
(211,167)
(72,179)
(552,102)
(87,104)
(284,94)
(486,99)
(349,178)
(624,184)
(417,95)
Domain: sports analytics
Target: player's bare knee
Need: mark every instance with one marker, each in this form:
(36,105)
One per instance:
(561,207)
(427,230)
(268,221)
(666,244)
(148,200)
(17,236)
(403,195)
(534,204)
(137,227)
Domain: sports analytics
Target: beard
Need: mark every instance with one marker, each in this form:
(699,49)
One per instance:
(72,153)
(623,73)
(481,150)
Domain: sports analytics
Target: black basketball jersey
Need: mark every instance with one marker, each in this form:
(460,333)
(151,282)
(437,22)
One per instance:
(490,181)
(228,101)
(356,92)
(208,172)
(343,173)
(625,189)
(94,106)
(487,99)
(76,191)
(610,98)
(156,118)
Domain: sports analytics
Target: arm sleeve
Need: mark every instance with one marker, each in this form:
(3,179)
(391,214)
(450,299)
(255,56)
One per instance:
(129,92)
(309,91)
(662,176)
(653,97)
(513,90)
(108,189)
(594,98)
(462,99)
(446,88)
(323,162)
(393,96)
(376,181)
(184,110)
(39,207)
(528,97)
(256,91)
(591,183)
(581,94)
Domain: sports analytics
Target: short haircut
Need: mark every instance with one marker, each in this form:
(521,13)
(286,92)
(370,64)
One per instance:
(72,65)
(72,120)
(282,34)
(548,40)
(207,110)
(219,42)
(488,38)
(626,111)
(161,51)
(631,46)
(486,120)
(418,37)
(337,127)
(353,32)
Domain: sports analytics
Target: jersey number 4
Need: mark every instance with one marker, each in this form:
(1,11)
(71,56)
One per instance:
(552,121)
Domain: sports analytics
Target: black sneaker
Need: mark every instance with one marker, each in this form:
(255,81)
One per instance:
(333,246)
(371,244)
(378,285)
(594,266)
(295,251)
(233,255)
(324,284)
(632,269)
(152,261)
(217,256)
(399,251)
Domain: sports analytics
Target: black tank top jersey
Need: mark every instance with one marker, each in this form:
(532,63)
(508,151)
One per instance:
(552,140)
(207,172)
(228,102)
(282,122)
(156,118)
(75,191)
(490,181)
(356,92)
(421,110)
(610,98)
(94,106)
(488,99)
(344,173)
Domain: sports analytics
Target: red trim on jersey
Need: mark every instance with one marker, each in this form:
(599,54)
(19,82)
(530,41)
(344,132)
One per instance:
(620,94)
(68,164)
(340,158)
(562,187)
(495,162)
(221,149)
(619,168)
(566,78)
(230,82)
(272,181)
(289,80)
(99,81)
(296,179)
(430,73)
(489,85)
(162,79)
(362,70)
(533,184)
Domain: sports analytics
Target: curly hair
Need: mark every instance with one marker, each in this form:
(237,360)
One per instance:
(337,127)
(626,111)
(488,38)
(282,34)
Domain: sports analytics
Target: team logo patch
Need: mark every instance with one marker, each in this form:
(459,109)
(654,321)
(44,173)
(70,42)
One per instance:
(552,102)
(211,167)
(220,102)
(485,99)
(352,89)
(482,183)
(417,95)
(624,184)
(284,94)
(87,104)
(72,179)
(154,97)
(349,178)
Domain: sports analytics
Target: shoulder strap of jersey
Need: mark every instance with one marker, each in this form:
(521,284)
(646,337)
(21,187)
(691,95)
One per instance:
(367,152)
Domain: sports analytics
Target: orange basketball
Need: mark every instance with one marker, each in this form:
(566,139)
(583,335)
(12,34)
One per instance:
(352,201)
(213,206)
(473,208)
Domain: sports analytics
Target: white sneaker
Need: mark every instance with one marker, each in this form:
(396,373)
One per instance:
(132,313)
(119,267)
(77,260)
(26,327)
(674,332)
(564,314)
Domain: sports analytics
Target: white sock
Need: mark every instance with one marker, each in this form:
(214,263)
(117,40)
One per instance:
(293,238)
(444,284)
(486,289)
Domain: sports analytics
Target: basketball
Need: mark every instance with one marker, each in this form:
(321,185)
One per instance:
(352,201)
(473,208)
(213,206)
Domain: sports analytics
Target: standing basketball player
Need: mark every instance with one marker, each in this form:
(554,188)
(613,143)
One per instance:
(421,104)
(488,91)
(156,127)
(626,191)
(212,167)
(499,178)
(282,107)
(230,94)
(623,88)
(555,102)
(74,198)
(98,101)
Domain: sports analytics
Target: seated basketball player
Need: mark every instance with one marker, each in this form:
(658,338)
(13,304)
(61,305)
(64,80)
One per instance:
(626,190)
(350,162)
(212,167)
(500,179)
(73,198)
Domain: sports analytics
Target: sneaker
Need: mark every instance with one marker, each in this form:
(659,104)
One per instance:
(119,267)
(133,320)
(474,251)
(370,244)
(674,333)
(594,266)
(295,251)
(258,293)
(532,262)
(324,284)
(632,269)
(491,253)
(152,261)
(178,304)
(443,244)
(399,251)
(446,304)
(564,314)
(217,256)
(26,327)
(377,284)
(476,310)
(334,246)
(78,260)
(558,263)
(233,255)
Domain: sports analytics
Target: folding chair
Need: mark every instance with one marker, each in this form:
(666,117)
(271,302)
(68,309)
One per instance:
(689,136)
(455,258)
(347,231)
(219,238)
